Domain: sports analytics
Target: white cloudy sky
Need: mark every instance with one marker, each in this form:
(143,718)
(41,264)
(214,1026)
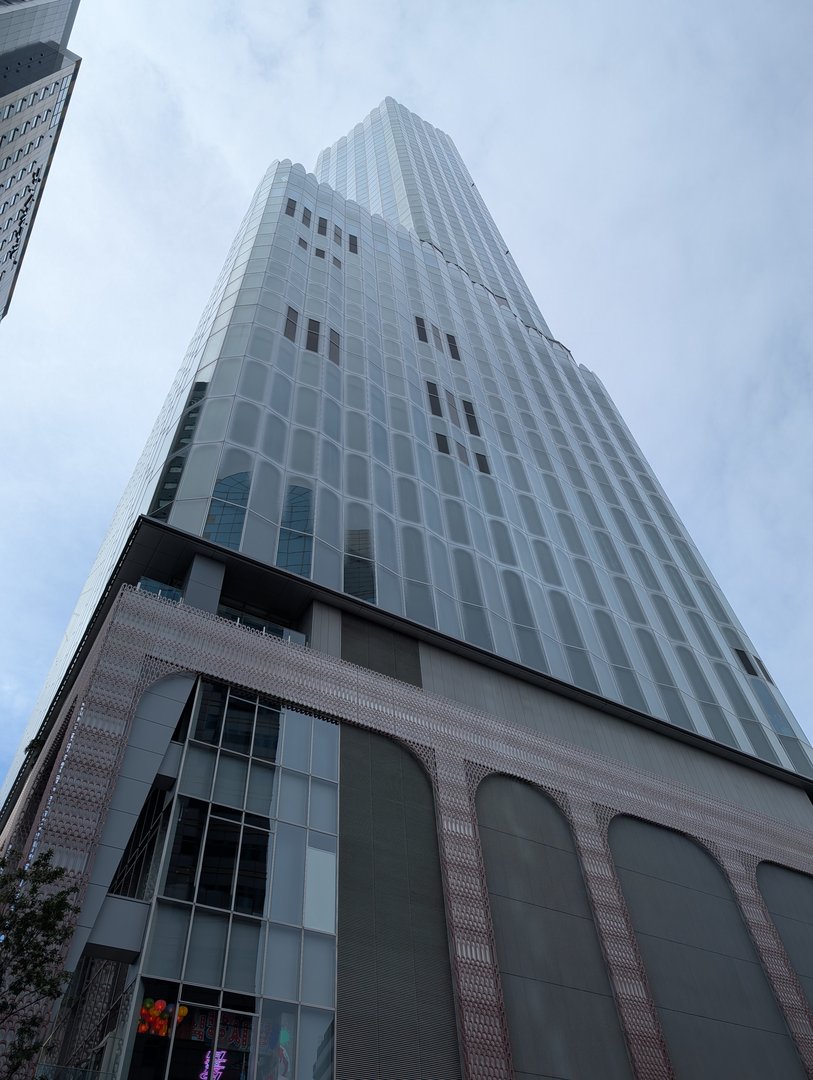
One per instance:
(649,162)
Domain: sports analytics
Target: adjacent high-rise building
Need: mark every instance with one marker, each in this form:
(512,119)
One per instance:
(37,74)
(401,730)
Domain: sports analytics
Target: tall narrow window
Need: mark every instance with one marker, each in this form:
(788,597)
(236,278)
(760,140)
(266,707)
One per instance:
(321,227)
(337,263)
(291,319)
(471,419)
(453,413)
(334,342)
(434,399)
(353,243)
(453,349)
(227,510)
(337,234)
(312,341)
(296,531)
(290,207)
(482,463)
(306,216)
(443,443)
(436,337)
(421,328)
(462,453)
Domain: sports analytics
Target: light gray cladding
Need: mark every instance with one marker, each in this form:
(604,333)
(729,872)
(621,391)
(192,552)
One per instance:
(371,401)
(477,481)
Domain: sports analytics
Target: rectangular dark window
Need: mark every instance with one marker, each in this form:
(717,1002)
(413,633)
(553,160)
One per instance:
(764,670)
(337,262)
(443,443)
(333,346)
(436,337)
(353,242)
(421,327)
(290,207)
(434,399)
(183,862)
(312,342)
(249,895)
(321,226)
(453,413)
(462,453)
(337,234)
(217,866)
(320,253)
(745,660)
(482,463)
(471,419)
(303,243)
(291,320)
(306,216)
(453,349)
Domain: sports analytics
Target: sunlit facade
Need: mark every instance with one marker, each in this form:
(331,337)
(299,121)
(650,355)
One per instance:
(400,718)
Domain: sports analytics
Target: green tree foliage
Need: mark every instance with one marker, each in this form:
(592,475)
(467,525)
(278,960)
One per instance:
(36,920)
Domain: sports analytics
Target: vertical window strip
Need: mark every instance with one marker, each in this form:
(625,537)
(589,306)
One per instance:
(435,406)
(334,345)
(421,328)
(291,320)
(453,349)
(471,419)
(312,341)
(453,413)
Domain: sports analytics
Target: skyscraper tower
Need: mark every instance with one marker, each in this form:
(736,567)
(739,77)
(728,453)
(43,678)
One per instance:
(37,75)
(401,730)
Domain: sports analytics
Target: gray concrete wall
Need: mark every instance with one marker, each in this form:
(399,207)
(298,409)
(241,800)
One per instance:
(789,896)
(569,721)
(561,1014)
(719,1016)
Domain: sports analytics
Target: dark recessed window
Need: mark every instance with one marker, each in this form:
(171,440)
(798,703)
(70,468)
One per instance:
(443,443)
(482,463)
(337,262)
(306,216)
(321,227)
(745,660)
(436,337)
(320,253)
(471,419)
(312,342)
(421,327)
(353,243)
(291,319)
(434,399)
(290,207)
(462,453)
(453,413)
(333,346)
(303,243)
(763,669)
(337,234)
(453,349)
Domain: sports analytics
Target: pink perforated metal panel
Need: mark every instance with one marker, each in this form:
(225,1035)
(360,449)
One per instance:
(146,638)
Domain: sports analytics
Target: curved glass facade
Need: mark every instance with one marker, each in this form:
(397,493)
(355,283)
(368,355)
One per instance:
(373,400)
